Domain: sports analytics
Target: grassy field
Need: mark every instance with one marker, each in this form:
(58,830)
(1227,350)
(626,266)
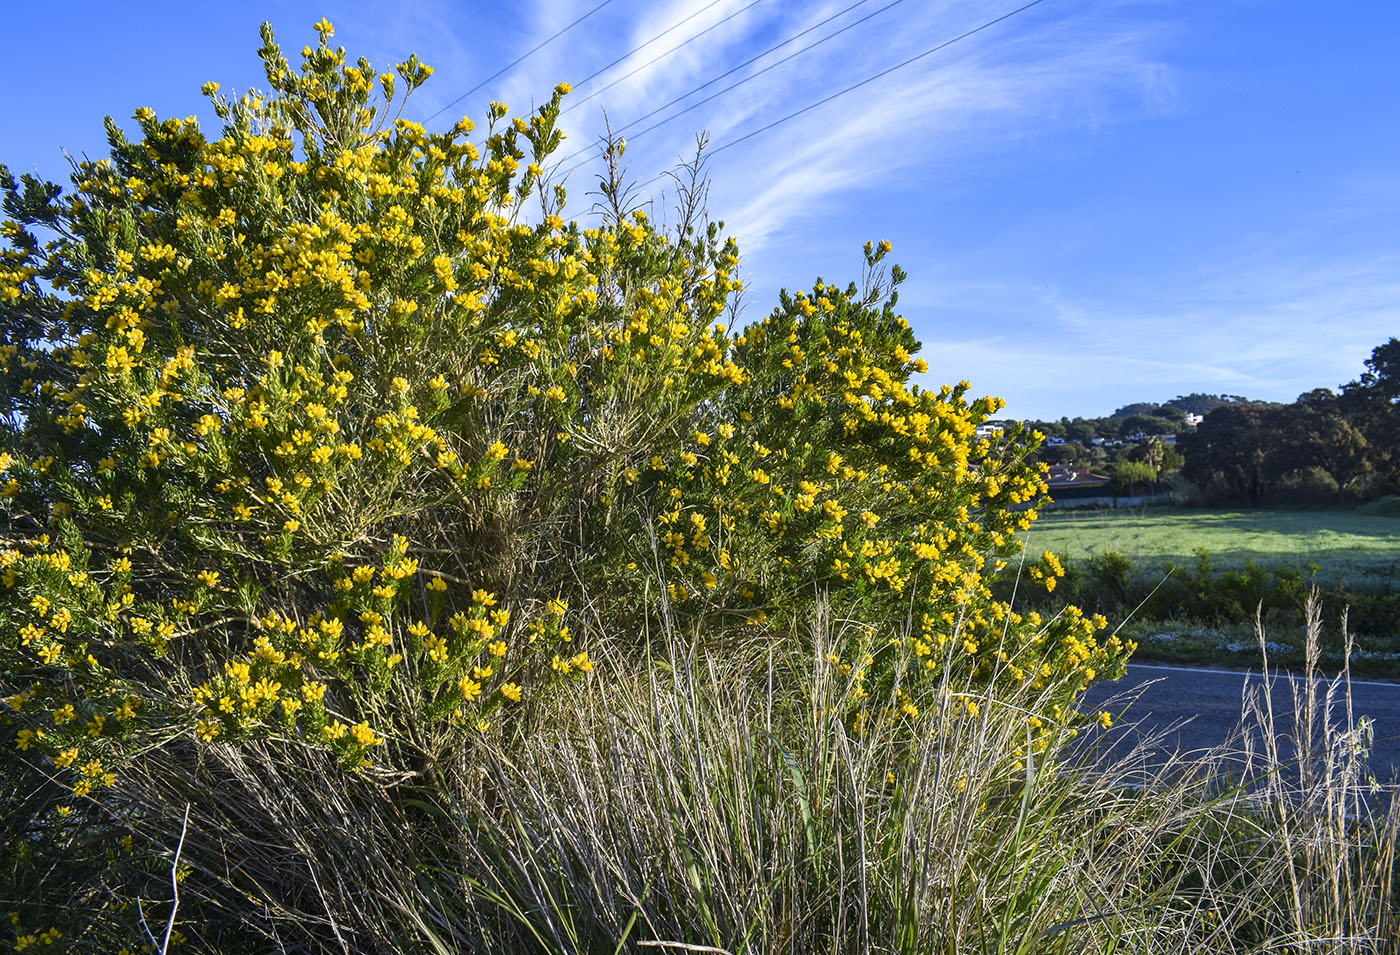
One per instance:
(1199,616)
(1358,548)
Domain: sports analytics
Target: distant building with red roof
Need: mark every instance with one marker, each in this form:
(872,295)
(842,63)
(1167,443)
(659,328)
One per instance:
(1067,477)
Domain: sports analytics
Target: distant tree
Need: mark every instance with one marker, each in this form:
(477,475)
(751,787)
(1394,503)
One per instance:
(1129,477)
(1172,414)
(1225,455)
(1079,429)
(1160,456)
(1061,453)
(1372,405)
(1305,486)
(1137,408)
(1314,432)
(1196,403)
(1382,375)
(1148,424)
(1109,428)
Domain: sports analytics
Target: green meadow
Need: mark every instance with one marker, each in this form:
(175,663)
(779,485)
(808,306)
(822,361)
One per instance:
(1188,583)
(1356,548)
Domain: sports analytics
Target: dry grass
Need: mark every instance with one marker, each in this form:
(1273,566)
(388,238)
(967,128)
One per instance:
(719,802)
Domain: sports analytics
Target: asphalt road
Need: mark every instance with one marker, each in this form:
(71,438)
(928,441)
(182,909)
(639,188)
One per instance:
(1192,710)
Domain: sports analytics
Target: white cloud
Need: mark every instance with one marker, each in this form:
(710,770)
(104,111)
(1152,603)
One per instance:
(1043,66)
(941,112)
(1265,330)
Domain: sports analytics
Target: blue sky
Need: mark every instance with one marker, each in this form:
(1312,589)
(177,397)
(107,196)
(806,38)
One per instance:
(1097,202)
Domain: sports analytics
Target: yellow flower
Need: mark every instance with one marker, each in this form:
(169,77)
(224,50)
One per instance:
(511,691)
(483,598)
(210,578)
(363,734)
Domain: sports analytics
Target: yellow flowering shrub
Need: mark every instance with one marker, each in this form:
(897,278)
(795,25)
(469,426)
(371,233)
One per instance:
(822,469)
(313,434)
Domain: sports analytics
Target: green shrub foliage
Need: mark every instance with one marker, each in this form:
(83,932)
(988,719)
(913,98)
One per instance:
(313,436)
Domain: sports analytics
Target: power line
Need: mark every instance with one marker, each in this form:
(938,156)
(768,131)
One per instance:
(675,26)
(732,86)
(518,60)
(855,86)
(659,56)
(898,66)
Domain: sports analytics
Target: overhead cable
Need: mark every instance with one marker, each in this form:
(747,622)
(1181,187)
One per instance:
(659,56)
(855,86)
(518,60)
(751,76)
(883,73)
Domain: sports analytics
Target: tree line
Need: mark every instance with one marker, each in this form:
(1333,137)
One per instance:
(1327,445)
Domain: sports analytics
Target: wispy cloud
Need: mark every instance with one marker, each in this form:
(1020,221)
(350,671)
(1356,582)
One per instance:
(939,113)
(695,49)
(1065,65)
